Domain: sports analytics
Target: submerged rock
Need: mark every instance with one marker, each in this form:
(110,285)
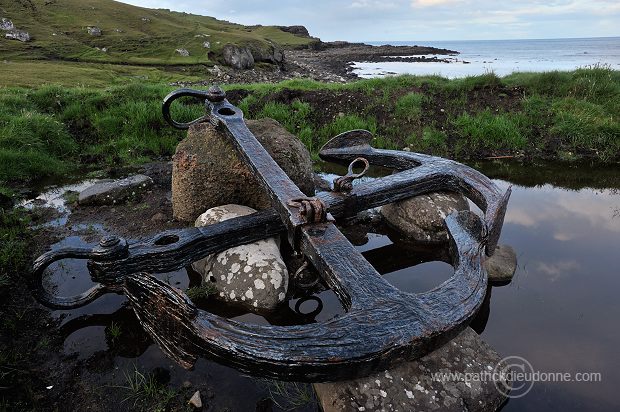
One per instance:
(421,218)
(253,275)
(411,387)
(111,192)
(208,172)
(502,265)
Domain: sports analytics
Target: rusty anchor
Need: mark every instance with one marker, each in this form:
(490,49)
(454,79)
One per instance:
(382,325)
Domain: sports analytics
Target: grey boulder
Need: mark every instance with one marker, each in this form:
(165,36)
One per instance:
(112,192)
(414,385)
(502,265)
(94,31)
(267,53)
(252,275)
(421,218)
(18,35)
(237,57)
(6,24)
(182,52)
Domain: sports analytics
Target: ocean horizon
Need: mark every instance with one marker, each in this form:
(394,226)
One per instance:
(501,57)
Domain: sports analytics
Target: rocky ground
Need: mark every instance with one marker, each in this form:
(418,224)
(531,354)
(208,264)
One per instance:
(328,62)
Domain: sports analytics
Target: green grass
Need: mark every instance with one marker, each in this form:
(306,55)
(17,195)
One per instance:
(19,73)
(409,106)
(487,130)
(201,292)
(14,238)
(132,35)
(144,389)
(52,130)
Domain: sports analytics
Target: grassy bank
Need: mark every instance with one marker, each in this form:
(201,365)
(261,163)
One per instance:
(53,130)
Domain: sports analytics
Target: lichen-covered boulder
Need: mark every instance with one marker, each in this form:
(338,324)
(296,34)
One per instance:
(411,386)
(253,275)
(421,218)
(207,170)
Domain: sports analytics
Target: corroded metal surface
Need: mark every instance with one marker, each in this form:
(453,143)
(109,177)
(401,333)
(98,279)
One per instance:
(382,324)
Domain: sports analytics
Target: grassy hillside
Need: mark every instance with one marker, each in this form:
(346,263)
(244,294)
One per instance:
(133,35)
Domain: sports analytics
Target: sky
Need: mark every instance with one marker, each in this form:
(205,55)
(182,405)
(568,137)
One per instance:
(410,20)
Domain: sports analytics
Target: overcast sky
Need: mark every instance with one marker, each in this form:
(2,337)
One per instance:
(384,20)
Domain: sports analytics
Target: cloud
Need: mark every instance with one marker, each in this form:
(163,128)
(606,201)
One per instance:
(557,270)
(374,5)
(417,20)
(431,3)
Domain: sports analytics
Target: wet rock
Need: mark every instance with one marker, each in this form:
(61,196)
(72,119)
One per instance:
(502,265)
(208,172)
(321,184)
(6,24)
(237,57)
(94,31)
(195,400)
(421,218)
(411,387)
(18,35)
(115,191)
(182,52)
(253,275)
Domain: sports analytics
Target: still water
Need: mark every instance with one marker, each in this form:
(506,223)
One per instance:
(504,57)
(560,312)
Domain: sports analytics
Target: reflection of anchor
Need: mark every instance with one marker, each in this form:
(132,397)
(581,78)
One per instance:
(382,325)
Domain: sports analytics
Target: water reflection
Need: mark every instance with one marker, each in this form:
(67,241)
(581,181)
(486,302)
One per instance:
(560,312)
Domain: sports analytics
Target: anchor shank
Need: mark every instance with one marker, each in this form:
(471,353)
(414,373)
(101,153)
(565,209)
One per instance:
(271,177)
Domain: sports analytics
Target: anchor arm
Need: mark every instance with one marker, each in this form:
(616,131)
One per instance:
(419,174)
(382,327)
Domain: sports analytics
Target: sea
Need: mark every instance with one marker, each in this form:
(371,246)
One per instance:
(502,57)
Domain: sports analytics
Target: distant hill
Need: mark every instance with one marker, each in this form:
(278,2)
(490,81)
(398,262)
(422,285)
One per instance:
(107,31)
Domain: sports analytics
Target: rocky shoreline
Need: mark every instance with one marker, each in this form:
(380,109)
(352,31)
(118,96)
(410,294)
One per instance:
(325,61)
